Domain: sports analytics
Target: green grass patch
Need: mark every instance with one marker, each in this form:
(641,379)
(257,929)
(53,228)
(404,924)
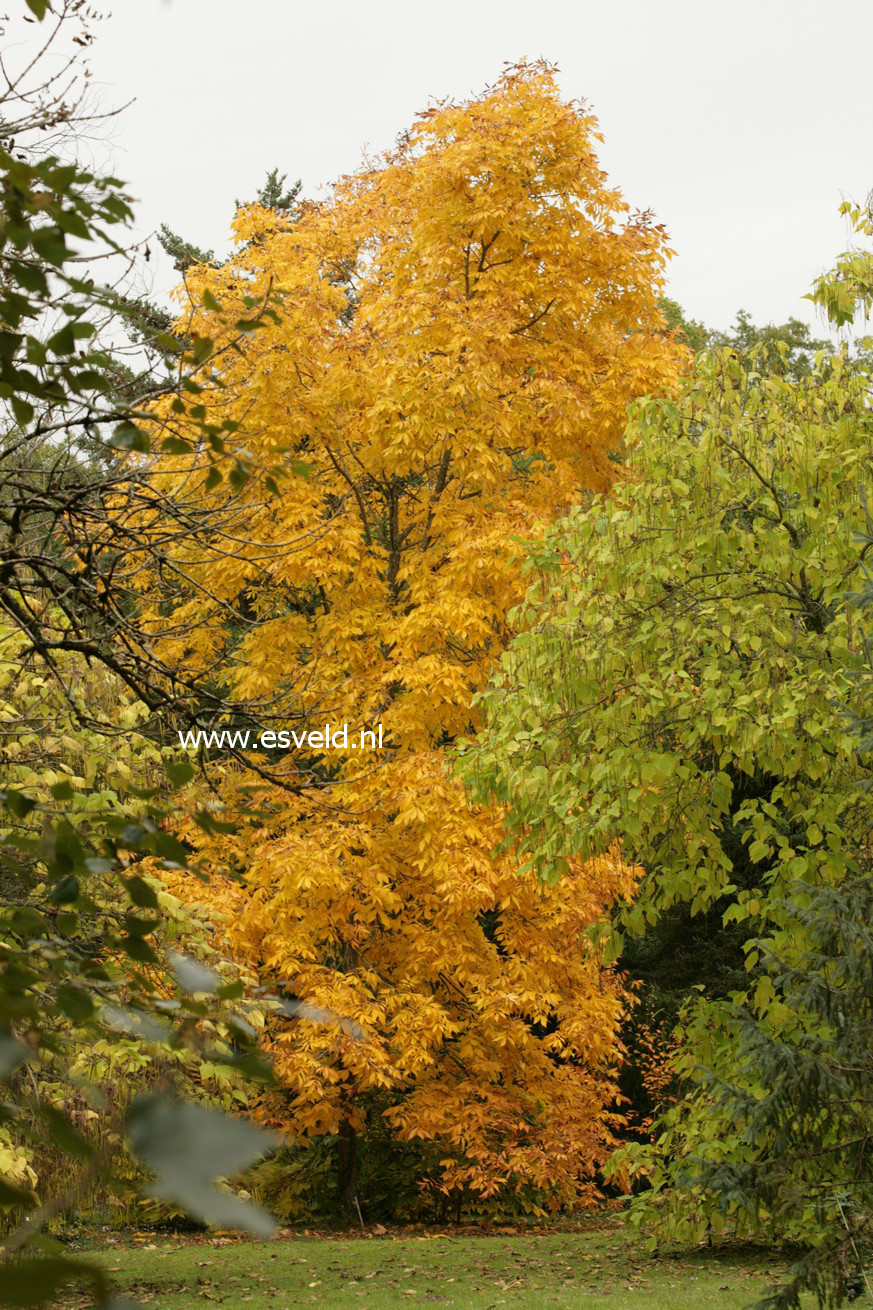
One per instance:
(596,1264)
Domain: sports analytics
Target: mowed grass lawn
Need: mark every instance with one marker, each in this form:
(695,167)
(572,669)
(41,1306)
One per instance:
(598,1264)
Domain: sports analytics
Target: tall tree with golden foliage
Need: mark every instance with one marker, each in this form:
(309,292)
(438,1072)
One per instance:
(461,326)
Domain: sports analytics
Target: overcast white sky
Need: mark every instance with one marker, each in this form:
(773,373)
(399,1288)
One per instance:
(741,124)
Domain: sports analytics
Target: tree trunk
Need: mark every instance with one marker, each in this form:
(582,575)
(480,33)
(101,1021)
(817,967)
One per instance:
(347,1172)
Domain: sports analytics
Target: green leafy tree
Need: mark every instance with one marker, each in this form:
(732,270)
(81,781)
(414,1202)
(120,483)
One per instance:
(89,949)
(682,686)
(686,639)
(685,951)
(788,348)
(846,291)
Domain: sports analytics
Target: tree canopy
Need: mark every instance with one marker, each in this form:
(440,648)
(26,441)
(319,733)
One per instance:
(461,327)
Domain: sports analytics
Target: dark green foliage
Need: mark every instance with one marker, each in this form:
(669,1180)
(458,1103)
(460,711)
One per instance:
(694,334)
(183,253)
(307,1181)
(46,206)
(300,1181)
(275,195)
(786,349)
(807,1137)
(799,1088)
